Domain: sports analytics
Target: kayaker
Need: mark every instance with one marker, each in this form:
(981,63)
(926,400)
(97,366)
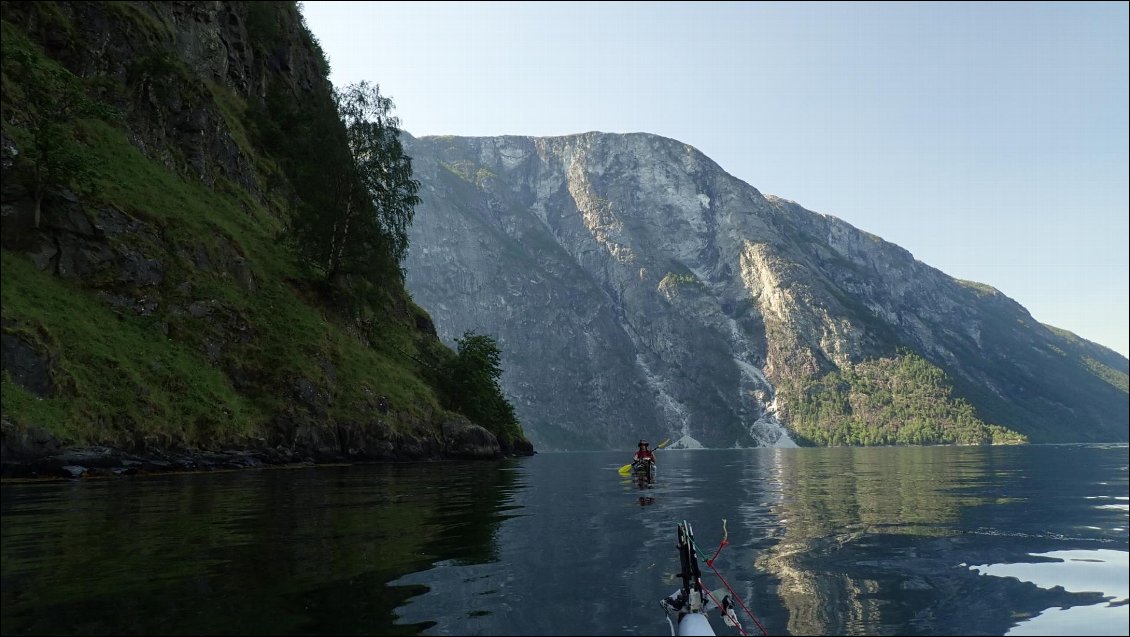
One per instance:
(643,454)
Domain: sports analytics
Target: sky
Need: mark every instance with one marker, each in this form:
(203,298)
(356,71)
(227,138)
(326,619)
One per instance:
(989,140)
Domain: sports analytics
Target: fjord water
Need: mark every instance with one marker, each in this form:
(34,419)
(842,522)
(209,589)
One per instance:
(936,540)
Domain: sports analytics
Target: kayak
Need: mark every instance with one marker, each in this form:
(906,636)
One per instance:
(643,469)
(691,603)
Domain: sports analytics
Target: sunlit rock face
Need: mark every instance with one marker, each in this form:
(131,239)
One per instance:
(638,290)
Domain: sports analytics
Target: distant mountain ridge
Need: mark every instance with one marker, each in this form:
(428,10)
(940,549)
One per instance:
(637,289)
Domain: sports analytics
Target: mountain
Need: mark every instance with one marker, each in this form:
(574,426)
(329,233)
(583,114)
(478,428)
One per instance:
(638,290)
(156,311)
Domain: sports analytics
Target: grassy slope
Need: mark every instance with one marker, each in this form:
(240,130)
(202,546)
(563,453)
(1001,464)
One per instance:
(121,376)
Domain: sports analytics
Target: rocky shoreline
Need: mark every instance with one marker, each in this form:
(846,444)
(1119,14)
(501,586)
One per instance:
(34,454)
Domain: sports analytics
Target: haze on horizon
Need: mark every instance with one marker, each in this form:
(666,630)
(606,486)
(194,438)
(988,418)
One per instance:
(990,140)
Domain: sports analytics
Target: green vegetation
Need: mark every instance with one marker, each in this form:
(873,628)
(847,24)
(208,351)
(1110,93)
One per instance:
(904,400)
(353,187)
(679,274)
(222,293)
(52,101)
(384,170)
(468,171)
(672,278)
(121,379)
(470,384)
(980,288)
(1046,392)
(1086,359)
(1113,376)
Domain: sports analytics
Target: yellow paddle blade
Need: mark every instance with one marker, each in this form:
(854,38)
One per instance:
(664,443)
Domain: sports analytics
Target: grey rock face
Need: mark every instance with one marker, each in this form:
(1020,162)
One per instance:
(638,290)
(464,439)
(597,262)
(29,367)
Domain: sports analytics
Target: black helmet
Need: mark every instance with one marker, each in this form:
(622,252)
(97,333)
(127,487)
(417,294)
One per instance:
(643,443)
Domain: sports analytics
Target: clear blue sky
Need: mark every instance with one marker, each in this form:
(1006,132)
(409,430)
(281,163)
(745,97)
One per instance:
(990,140)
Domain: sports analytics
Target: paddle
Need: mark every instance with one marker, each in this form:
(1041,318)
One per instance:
(626,469)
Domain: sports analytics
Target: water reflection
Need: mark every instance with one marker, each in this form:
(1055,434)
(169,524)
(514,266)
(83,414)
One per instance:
(1102,571)
(273,552)
(644,482)
(875,541)
(822,541)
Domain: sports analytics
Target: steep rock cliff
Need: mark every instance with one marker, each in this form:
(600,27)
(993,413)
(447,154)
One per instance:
(640,290)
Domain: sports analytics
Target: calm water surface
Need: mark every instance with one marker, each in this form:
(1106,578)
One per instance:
(918,541)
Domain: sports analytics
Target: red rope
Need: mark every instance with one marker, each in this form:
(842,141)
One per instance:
(740,602)
(719,604)
(710,563)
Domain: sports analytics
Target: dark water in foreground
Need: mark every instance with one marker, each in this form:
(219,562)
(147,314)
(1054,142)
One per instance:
(941,540)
